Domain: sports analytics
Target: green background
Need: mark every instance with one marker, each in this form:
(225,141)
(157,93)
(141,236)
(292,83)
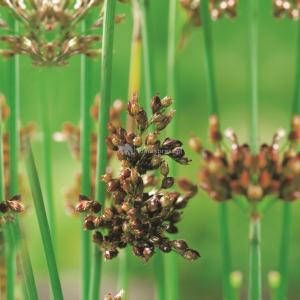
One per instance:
(60,89)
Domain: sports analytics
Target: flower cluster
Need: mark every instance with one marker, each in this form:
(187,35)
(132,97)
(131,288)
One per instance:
(143,209)
(9,207)
(271,171)
(118,296)
(70,133)
(49,32)
(289,8)
(221,8)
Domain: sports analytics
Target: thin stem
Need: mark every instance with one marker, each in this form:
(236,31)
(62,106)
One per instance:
(284,251)
(226,257)
(170,261)
(106,77)
(255,260)
(133,88)
(43,225)
(255,289)
(213,110)
(47,158)
(287,209)
(208,55)
(85,132)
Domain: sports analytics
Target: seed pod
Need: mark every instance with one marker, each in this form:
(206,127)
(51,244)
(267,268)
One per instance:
(96,207)
(156,104)
(167,182)
(179,245)
(110,254)
(166,101)
(97,237)
(165,246)
(191,255)
(89,222)
(195,144)
(255,192)
(133,107)
(113,185)
(142,120)
(3,207)
(164,169)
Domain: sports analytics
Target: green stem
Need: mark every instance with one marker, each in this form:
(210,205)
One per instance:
(85,133)
(106,77)
(170,261)
(287,209)
(284,251)
(255,290)
(47,158)
(208,55)
(43,225)
(225,246)
(255,260)
(213,110)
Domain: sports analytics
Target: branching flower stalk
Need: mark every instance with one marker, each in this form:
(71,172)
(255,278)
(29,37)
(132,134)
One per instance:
(106,77)
(213,110)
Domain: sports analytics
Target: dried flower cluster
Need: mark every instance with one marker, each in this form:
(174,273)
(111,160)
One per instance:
(272,171)
(143,208)
(50,32)
(118,296)
(71,134)
(286,8)
(10,207)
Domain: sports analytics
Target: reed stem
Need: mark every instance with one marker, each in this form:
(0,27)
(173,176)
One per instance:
(287,209)
(255,260)
(106,77)
(43,225)
(170,261)
(213,110)
(85,133)
(255,289)
(133,88)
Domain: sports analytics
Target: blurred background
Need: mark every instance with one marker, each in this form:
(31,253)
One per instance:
(59,88)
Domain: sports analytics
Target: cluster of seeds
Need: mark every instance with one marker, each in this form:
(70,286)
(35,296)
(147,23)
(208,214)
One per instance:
(70,133)
(9,207)
(272,171)
(49,32)
(221,8)
(143,209)
(289,8)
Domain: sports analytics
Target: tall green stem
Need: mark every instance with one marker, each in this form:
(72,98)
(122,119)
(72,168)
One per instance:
(255,260)
(287,209)
(213,110)
(170,260)
(43,225)
(106,77)
(85,100)
(255,290)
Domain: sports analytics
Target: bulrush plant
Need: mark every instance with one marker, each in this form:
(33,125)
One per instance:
(262,178)
(142,209)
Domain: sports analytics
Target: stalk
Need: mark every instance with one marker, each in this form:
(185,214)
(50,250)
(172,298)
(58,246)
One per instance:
(170,260)
(47,158)
(213,110)
(85,133)
(106,76)
(255,289)
(43,225)
(255,260)
(133,88)
(287,209)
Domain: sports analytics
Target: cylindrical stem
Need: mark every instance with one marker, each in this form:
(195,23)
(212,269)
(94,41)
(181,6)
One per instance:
(106,77)
(284,251)
(85,168)
(213,110)
(255,260)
